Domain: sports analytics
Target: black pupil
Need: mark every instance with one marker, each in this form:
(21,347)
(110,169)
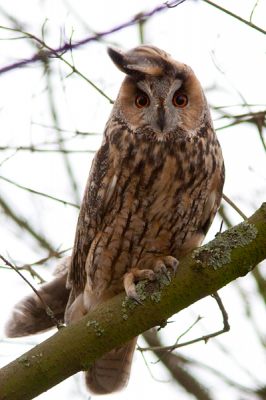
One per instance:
(179,100)
(142,101)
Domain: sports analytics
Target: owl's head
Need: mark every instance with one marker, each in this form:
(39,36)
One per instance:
(158,95)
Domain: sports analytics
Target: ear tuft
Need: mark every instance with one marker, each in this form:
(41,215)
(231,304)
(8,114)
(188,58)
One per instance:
(117,56)
(143,59)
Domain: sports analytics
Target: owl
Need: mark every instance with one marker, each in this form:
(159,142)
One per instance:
(153,190)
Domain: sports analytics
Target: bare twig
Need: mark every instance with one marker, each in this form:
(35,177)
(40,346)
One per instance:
(39,193)
(234,207)
(33,273)
(61,144)
(44,55)
(8,158)
(205,338)
(25,225)
(66,47)
(47,308)
(251,15)
(174,5)
(175,366)
(249,23)
(43,260)
(34,149)
(66,130)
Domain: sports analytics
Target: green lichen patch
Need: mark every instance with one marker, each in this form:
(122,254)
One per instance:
(218,252)
(97,328)
(24,360)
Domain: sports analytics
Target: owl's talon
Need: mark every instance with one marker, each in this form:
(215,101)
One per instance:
(133,297)
(176,263)
(164,271)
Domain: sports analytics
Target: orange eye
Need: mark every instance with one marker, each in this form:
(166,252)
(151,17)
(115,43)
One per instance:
(180,100)
(142,101)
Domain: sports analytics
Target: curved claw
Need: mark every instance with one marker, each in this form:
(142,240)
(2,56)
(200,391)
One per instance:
(175,267)
(133,297)
(163,269)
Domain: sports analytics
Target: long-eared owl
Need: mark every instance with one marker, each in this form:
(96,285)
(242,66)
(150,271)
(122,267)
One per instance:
(153,190)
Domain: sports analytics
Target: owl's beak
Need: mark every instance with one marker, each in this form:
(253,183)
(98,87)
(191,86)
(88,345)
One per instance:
(161,118)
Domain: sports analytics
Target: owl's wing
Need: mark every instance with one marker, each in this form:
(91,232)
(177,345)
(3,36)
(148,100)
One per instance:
(213,201)
(98,192)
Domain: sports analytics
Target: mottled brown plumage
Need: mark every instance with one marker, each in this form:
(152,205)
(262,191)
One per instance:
(153,190)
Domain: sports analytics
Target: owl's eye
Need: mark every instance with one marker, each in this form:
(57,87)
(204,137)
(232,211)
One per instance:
(180,100)
(142,101)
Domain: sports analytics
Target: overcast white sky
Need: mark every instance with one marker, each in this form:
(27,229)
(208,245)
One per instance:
(190,32)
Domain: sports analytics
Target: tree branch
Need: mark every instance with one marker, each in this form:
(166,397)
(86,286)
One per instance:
(202,272)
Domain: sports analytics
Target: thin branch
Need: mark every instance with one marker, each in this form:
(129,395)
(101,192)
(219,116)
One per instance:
(205,338)
(33,149)
(189,361)
(66,47)
(234,207)
(25,225)
(175,5)
(43,260)
(66,130)
(175,366)
(47,308)
(44,55)
(39,193)
(249,23)
(61,144)
(251,15)
(8,158)
(33,273)
(176,343)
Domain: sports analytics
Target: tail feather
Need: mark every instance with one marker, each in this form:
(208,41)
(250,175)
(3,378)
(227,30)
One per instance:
(29,315)
(108,374)
(111,372)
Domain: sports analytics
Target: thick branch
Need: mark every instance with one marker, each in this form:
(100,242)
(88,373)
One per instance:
(202,272)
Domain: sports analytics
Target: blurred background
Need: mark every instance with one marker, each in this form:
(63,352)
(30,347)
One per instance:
(52,120)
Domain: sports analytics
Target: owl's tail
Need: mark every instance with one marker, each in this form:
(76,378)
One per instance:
(111,372)
(29,315)
(108,374)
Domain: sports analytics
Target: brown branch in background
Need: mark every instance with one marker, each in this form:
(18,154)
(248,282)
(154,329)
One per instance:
(41,55)
(188,361)
(249,23)
(25,225)
(173,364)
(47,308)
(39,193)
(234,207)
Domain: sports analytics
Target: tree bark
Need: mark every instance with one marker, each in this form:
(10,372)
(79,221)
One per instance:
(202,272)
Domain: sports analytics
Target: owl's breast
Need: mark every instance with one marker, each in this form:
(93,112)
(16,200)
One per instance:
(156,208)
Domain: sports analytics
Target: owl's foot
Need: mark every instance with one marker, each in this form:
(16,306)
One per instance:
(158,266)
(137,275)
(161,263)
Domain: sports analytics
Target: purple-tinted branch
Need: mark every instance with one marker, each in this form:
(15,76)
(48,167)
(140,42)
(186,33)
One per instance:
(68,46)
